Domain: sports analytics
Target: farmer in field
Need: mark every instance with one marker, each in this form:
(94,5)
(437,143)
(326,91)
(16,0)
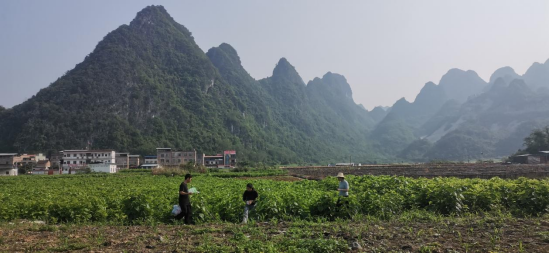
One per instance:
(343,186)
(343,189)
(184,201)
(249,198)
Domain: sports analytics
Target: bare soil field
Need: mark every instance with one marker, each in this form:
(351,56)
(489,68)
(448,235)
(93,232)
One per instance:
(444,234)
(274,178)
(427,170)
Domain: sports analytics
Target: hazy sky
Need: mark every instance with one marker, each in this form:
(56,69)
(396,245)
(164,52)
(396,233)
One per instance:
(385,49)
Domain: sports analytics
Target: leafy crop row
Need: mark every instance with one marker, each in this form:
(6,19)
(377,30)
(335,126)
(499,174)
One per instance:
(140,198)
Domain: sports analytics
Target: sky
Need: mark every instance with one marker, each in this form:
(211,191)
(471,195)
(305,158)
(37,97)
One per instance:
(386,49)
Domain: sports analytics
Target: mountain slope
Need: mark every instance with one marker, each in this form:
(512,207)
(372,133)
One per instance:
(537,75)
(145,85)
(148,84)
(130,91)
(494,122)
(463,111)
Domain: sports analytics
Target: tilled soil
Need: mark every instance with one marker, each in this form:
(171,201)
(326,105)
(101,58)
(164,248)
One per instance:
(427,170)
(473,234)
(274,178)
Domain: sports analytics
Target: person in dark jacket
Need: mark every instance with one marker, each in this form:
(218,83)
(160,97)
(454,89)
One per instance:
(249,198)
(184,202)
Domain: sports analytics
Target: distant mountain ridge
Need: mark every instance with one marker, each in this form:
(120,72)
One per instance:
(491,123)
(148,84)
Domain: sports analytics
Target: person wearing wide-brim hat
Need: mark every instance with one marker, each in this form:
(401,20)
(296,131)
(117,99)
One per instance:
(343,190)
(343,187)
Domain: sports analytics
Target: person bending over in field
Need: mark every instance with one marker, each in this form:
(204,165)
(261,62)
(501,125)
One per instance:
(184,201)
(249,198)
(343,189)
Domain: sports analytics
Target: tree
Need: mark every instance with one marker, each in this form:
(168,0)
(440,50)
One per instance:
(537,141)
(24,169)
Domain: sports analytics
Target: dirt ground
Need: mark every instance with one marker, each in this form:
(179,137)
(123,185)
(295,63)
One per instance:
(477,234)
(274,178)
(470,170)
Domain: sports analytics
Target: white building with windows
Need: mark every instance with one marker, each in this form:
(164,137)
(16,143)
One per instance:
(72,160)
(8,164)
(103,167)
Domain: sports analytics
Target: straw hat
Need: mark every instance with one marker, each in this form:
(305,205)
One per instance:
(340,175)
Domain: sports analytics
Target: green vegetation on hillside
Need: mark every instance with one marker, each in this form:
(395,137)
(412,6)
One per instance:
(416,151)
(148,85)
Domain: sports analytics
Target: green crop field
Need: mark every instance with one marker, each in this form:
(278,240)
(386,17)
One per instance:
(131,212)
(131,199)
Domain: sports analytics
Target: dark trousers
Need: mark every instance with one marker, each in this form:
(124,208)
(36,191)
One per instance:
(342,201)
(187,213)
(341,207)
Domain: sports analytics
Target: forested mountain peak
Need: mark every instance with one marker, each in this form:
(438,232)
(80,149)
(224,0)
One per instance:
(133,92)
(332,85)
(430,94)
(456,72)
(428,85)
(459,84)
(226,59)
(339,84)
(506,73)
(505,93)
(378,113)
(498,84)
(153,15)
(537,65)
(458,77)
(537,75)
(231,52)
(518,85)
(284,71)
(400,105)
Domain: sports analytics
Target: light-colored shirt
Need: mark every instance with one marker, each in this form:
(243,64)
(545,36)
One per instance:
(343,185)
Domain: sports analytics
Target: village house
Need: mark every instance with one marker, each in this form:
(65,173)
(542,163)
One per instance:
(213,161)
(8,166)
(122,160)
(55,159)
(74,160)
(230,158)
(25,159)
(150,162)
(541,157)
(226,160)
(134,161)
(42,167)
(150,159)
(169,157)
(103,167)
